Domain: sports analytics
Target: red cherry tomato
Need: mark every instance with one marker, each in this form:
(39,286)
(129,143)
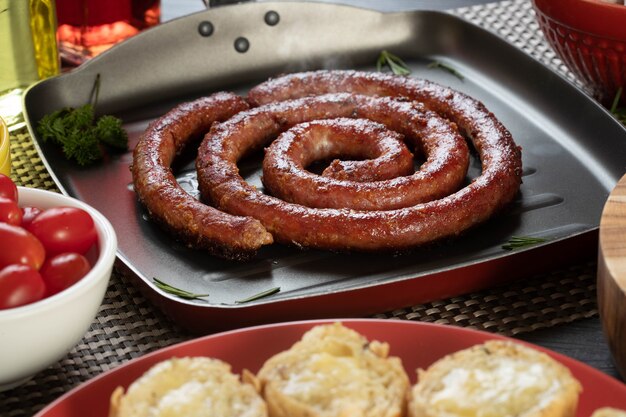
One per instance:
(28,214)
(64,229)
(63,270)
(19,285)
(8,189)
(18,246)
(10,212)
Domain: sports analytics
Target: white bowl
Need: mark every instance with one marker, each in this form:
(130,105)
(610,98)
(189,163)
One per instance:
(37,335)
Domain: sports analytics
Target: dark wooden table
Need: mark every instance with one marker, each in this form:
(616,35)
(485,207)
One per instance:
(583,339)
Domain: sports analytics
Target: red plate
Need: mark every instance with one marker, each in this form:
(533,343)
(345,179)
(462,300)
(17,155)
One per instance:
(418,344)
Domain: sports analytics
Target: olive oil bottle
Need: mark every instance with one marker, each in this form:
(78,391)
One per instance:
(28,52)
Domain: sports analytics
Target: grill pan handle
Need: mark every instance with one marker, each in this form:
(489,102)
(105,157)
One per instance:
(215,3)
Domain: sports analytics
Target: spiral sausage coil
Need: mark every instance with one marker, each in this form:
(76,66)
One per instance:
(376,202)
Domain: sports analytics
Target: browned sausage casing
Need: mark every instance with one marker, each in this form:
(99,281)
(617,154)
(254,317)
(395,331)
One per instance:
(442,173)
(374,152)
(255,219)
(346,229)
(193,222)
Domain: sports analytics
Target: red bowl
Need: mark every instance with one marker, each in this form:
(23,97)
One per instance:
(590,37)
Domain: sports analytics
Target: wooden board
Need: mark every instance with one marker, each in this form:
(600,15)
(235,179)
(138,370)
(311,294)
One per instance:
(612,273)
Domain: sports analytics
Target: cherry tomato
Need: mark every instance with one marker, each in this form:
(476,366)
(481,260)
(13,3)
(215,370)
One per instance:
(63,270)
(64,229)
(10,212)
(19,285)
(18,246)
(28,214)
(8,189)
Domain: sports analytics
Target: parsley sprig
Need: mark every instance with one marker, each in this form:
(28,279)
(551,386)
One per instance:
(80,133)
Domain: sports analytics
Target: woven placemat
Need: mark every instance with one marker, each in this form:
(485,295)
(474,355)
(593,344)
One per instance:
(128,326)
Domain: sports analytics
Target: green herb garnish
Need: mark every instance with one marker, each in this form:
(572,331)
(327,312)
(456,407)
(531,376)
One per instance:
(259,295)
(177,291)
(618,112)
(80,134)
(446,67)
(393,62)
(517,242)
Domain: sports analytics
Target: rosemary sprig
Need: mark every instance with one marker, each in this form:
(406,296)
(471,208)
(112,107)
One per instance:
(618,95)
(618,112)
(177,291)
(393,62)
(262,294)
(516,242)
(446,67)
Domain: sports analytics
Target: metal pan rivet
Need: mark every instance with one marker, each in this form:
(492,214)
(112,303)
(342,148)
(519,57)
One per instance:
(272,18)
(242,44)
(206,28)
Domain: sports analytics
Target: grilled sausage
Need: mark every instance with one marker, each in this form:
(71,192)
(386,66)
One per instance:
(256,219)
(347,229)
(376,153)
(193,222)
(442,173)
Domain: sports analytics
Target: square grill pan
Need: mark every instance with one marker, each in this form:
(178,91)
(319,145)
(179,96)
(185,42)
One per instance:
(574,152)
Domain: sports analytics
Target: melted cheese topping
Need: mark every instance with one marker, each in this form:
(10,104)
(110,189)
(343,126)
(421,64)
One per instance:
(504,387)
(190,387)
(328,380)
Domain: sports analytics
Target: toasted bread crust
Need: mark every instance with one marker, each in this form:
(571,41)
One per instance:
(334,371)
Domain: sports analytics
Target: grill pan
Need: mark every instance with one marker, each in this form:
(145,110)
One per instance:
(573,153)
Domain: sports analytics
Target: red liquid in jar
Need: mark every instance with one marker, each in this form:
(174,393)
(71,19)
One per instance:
(87,28)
